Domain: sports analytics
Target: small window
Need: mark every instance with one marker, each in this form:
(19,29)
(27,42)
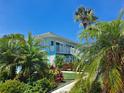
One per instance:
(52,43)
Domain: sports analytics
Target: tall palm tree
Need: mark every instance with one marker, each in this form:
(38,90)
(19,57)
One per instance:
(103,59)
(85,16)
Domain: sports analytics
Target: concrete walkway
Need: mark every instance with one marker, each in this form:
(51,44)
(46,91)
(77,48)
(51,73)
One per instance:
(66,88)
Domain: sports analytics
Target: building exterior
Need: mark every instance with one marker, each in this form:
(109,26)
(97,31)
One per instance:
(57,45)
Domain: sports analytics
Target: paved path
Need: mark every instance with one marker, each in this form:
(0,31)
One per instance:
(66,88)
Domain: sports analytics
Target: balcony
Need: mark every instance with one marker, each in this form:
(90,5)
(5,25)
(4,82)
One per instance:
(63,50)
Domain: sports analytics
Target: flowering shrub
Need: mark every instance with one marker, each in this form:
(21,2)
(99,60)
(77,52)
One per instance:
(58,75)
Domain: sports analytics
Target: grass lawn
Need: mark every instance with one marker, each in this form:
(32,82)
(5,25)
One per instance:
(69,76)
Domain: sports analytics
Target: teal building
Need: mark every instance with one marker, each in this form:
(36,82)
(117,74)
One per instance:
(56,45)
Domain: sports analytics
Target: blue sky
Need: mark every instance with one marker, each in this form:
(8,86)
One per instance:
(40,16)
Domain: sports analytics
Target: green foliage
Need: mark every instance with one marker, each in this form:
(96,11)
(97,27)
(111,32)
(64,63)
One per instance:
(33,60)
(96,88)
(104,55)
(12,86)
(9,55)
(59,60)
(57,74)
(16,51)
(78,88)
(85,16)
(43,85)
(81,88)
(102,58)
(26,54)
(75,65)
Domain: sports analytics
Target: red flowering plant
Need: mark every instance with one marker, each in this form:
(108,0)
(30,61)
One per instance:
(58,75)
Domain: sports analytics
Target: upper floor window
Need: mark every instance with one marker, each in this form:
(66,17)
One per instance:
(52,43)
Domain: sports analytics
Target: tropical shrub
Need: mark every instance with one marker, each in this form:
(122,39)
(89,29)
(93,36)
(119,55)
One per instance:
(10,46)
(3,76)
(41,86)
(59,60)
(59,77)
(33,60)
(12,86)
(22,60)
(27,55)
(57,74)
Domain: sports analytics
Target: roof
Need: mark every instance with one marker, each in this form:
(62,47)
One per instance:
(55,36)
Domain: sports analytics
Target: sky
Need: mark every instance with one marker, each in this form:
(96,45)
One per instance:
(57,16)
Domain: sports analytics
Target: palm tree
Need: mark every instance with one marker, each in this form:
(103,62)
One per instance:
(33,59)
(103,59)
(9,54)
(85,16)
(21,59)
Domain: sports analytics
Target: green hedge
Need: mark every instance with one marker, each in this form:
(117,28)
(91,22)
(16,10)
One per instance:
(43,86)
(12,86)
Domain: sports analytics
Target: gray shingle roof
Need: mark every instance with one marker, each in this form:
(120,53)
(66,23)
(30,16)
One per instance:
(52,35)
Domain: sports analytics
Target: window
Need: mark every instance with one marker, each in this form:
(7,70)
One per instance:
(52,43)
(57,47)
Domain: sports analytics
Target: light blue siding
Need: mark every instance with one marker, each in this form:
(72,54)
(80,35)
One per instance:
(54,47)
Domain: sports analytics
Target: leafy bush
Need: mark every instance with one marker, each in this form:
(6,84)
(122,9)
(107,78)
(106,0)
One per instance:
(59,61)
(22,59)
(43,86)
(12,86)
(3,76)
(58,75)
(29,89)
